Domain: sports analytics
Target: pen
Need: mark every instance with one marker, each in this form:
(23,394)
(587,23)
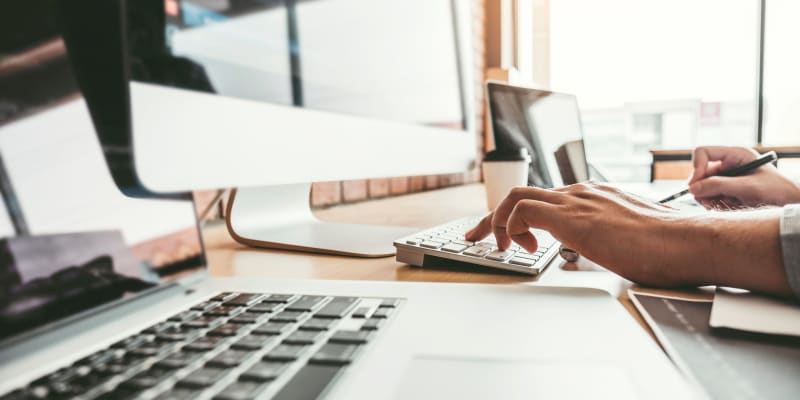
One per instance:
(743,169)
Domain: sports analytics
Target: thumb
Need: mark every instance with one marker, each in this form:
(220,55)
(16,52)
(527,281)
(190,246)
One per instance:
(714,186)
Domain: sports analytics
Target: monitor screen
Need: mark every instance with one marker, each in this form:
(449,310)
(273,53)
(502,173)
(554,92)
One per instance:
(540,121)
(381,59)
(70,240)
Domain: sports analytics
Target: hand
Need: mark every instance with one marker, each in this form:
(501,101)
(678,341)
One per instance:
(618,230)
(764,186)
(643,241)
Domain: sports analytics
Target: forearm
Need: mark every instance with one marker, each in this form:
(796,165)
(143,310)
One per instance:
(743,250)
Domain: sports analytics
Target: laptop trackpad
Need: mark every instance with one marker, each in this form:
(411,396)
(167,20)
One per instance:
(453,378)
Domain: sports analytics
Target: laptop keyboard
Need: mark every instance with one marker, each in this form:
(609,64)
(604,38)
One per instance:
(233,346)
(448,242)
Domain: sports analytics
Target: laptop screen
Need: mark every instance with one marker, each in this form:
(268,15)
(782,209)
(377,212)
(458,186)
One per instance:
(543,122)
(70,240)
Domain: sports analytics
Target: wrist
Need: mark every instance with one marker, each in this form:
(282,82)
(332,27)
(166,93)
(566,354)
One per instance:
(745,251)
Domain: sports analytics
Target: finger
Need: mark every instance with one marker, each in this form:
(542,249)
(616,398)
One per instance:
(505,208)
(480,231)
(715,186)
(529,214)
(728,157)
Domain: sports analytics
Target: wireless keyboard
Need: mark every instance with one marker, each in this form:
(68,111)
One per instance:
(448,242)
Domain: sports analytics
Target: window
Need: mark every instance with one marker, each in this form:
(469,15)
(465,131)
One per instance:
(665,74)
(781,73)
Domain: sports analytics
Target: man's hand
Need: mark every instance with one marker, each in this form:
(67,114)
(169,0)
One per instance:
(764,186)
(615,229)
(644,241)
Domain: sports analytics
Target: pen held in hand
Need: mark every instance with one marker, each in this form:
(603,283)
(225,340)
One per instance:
(743,169)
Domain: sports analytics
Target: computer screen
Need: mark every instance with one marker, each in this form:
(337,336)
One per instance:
(70,240)
(539,121)
(273,89)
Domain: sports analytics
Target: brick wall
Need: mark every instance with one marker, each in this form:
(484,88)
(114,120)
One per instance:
(331,193)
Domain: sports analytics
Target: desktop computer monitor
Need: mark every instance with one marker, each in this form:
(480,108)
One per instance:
(270,95)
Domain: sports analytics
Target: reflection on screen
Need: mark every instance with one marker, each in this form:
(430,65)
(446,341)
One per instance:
(538,121)
(384,59)
(69,239)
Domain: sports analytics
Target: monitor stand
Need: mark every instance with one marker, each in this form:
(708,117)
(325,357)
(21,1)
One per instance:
(280,217)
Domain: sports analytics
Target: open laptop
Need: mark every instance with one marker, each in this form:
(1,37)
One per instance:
(106,295)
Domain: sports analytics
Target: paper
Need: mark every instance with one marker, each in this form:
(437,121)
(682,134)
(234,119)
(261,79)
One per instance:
(753,313)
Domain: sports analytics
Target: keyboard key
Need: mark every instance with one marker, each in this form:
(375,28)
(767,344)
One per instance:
(525,262)
(240,391)
(431,244)
(223,297)
(361,312)
(162,326)
(464,242)
(288,316)
(225,311)
(253,342)
(264,371)
(230,358)
(351,337)
(225,330)
(178,394)
(271,328)
(279,298)
(145,352)
(309,382)
(264,308)
(334,353)
(415,241)
(529,256)
(203,322)
(337,308)
(499,255)
(205,306)
(202,377)
(178,360)
(245,299)
(477,251)
(317,324)
(247,318)
(382,312)
(285,352)
(302,337)
(453,248)
(372,324)
(185,316)
(305,303)
(389,303)
(174,337)
(145,380)
(204,344)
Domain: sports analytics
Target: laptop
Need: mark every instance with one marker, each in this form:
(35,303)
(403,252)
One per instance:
(105,294)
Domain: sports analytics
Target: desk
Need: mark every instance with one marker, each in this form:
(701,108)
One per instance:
(423,210)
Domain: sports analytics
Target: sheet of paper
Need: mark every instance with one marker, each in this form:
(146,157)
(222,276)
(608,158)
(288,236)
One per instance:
(753,313)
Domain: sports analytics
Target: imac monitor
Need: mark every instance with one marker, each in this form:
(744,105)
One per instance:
(268,96)
(545,123)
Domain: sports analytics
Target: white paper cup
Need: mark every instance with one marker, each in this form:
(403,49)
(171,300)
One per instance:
(499,177)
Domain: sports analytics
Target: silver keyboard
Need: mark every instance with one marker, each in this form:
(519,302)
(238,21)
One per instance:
(448,242)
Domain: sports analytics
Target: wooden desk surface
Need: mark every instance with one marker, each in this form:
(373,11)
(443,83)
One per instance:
(427,209)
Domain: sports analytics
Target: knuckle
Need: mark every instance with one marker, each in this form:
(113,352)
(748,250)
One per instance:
(518,190)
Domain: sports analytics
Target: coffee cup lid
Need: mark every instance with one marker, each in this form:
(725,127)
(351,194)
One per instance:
(520,154)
